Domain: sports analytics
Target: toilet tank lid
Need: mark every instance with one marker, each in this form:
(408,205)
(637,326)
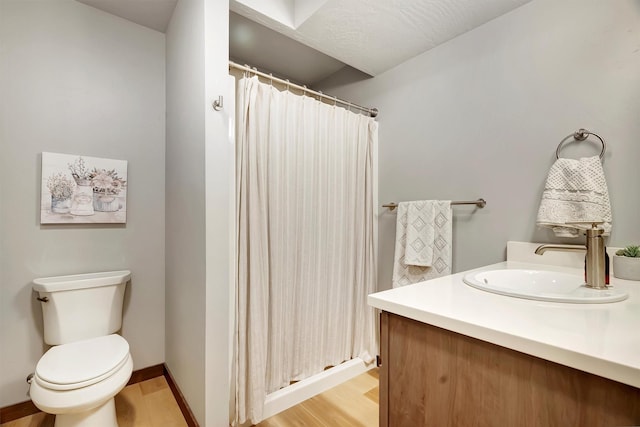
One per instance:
(79,281)
(82,361)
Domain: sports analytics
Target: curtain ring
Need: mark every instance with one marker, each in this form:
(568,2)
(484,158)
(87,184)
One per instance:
(271,79)
(335,101)
(287,85)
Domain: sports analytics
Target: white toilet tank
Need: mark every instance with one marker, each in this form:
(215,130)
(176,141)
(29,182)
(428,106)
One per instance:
(81,306)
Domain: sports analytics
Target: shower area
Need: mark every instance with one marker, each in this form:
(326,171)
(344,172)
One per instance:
(305,187)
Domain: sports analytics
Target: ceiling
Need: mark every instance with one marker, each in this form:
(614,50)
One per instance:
(154,14)
(272,52)
(308,40)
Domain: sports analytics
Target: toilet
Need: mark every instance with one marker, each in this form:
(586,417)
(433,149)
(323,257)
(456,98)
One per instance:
(89,363)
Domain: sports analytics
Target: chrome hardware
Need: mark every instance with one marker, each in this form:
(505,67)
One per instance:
(218,103)
(595,259)
(30,378)
(42,299)
(373,112)
(567,248)
(481,203)
(581,135)
(595,255)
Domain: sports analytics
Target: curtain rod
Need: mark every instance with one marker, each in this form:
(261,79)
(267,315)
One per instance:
(373,112)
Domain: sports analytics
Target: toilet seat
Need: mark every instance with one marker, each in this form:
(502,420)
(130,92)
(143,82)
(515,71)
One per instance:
(81,399)
(82,363)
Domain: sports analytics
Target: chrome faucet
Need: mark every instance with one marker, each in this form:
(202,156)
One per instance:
(595,260)
(567,248)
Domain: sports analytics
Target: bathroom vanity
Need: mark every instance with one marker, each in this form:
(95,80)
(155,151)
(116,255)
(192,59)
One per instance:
(455,355)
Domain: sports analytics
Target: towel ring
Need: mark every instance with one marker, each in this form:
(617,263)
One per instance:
(581,135)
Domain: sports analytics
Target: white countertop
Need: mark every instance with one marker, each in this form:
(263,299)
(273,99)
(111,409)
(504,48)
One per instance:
(603,339)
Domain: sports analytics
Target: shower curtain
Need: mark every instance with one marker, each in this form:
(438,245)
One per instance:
(306,247)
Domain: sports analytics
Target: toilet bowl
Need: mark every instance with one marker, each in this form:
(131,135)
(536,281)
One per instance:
(78,381)
(88,363)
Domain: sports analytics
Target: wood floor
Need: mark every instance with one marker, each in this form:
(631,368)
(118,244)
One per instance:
(151,404)
(146,404)
(351,404)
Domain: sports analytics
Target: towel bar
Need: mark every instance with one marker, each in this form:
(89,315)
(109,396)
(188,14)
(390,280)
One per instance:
(481,203)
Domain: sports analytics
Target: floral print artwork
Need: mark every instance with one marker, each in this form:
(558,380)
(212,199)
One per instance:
(82,189)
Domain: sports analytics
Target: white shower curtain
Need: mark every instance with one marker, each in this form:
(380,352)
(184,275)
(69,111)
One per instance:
(306,249)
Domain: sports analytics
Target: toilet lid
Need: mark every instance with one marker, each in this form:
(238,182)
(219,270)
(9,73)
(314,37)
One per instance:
(82,363)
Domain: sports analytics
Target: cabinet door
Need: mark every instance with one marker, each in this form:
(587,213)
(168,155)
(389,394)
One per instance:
(434,377)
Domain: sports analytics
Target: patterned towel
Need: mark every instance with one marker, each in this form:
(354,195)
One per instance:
(420,234)
(576,191)
(435,215)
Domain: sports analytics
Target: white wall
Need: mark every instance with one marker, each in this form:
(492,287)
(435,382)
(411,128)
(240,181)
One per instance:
(185,203)
(220,218)
(482,115)
(77,80)
(197,207)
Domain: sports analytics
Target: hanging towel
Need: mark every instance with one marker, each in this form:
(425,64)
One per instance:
(420,234)
(423,241)
(575,191)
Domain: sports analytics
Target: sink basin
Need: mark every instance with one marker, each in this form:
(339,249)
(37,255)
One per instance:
(541,285)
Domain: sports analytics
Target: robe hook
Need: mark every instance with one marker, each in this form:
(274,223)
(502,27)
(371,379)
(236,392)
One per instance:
(218,103)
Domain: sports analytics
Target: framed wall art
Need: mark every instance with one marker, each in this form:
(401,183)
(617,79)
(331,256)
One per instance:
(83,190)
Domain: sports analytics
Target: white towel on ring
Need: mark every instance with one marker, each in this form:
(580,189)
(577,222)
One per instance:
(439,235)
(575,191)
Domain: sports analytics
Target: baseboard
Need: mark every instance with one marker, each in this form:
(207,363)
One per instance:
(182,403)
(24,409)
(19,410)
(146,374)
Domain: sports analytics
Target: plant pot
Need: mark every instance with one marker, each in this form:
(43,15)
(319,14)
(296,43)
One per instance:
(82,202)
(60,205)
(626,267)
(105,202)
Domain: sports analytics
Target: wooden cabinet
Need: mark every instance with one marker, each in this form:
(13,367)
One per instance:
(434,377)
